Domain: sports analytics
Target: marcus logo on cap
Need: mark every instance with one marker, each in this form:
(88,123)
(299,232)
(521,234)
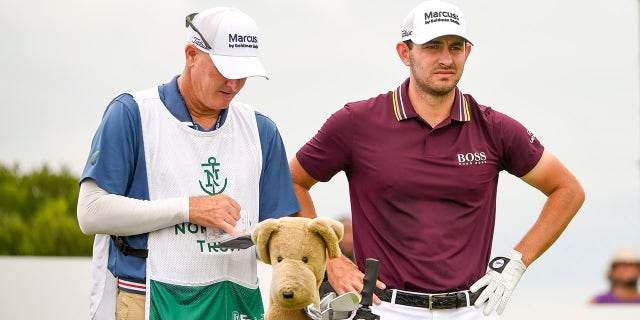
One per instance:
(230,37)
(433,19)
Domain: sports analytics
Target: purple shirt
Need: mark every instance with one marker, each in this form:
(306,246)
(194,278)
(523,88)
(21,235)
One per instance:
(423,199)
(609,297)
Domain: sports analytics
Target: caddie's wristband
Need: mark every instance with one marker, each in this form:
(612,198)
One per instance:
(498,263)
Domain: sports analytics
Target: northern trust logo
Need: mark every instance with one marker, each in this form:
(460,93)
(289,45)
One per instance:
(213,184)
(471,158)
(243,41)
(441,16)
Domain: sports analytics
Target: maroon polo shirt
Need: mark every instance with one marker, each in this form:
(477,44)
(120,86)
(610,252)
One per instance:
(423,199)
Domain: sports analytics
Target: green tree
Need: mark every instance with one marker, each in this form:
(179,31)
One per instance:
(38,213)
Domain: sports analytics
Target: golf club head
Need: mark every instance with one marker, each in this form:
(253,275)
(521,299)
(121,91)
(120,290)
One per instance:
(313,313)
(324,302)
(341,315)
(327,314)
(345,302)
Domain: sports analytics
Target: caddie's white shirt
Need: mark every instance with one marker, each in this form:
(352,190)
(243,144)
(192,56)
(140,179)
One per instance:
(176,157)
(117,163)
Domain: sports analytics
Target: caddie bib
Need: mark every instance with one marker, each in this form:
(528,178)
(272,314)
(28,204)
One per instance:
(187,278)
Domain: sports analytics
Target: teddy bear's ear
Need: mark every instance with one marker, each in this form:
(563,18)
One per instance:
(261,236)
(331,231)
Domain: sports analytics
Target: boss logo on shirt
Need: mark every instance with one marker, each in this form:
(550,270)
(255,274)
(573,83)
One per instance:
(471,158)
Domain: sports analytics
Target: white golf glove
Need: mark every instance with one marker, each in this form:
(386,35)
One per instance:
(502,277)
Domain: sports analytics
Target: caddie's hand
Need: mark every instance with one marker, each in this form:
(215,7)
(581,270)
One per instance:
(217,211)
(344,276)
(501,278)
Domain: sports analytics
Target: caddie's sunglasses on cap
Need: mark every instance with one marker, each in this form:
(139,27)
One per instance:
(189,23)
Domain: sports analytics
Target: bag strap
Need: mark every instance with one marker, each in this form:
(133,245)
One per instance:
(126,249)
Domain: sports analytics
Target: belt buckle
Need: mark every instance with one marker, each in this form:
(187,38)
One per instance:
(442,301)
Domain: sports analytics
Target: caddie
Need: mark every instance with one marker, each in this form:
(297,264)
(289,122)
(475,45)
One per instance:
(177,168)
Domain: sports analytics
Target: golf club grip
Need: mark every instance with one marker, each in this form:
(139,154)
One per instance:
(369,281)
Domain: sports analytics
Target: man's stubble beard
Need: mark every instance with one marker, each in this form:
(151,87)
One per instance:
(430,88)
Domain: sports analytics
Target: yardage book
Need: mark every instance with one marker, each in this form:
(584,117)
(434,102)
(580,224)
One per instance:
(241,241)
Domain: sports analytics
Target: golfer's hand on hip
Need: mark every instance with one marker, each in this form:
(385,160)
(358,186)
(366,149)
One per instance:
(501,278)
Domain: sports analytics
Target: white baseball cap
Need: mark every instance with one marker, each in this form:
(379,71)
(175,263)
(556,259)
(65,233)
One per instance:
(625,255)
(231,39)
(432,19)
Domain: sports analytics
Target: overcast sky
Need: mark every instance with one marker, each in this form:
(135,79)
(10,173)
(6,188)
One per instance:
(568,70)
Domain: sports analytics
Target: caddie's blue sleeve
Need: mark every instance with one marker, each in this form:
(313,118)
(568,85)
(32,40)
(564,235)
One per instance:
(277,198)
(117,153)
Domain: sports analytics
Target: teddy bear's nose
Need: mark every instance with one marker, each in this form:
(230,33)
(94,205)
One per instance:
(287,294)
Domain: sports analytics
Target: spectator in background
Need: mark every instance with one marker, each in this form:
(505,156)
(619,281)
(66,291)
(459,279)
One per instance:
(623,275)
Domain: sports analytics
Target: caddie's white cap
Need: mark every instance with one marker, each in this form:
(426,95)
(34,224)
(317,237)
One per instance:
(432,19)
(231,39)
